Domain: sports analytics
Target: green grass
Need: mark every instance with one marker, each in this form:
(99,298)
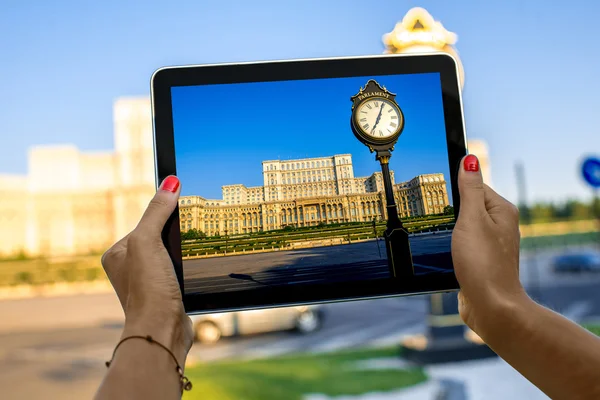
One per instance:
(292,377)
(41,271)
(569,239)
(281,238)
(595,329)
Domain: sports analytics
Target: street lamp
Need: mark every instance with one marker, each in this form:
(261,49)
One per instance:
(377,121)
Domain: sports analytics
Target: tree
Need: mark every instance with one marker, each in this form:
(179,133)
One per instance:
(192,234)
(449,210)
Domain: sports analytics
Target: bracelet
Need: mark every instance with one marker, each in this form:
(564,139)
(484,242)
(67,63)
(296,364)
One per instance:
(185,382)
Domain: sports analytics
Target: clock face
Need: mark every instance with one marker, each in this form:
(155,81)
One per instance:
(378,118)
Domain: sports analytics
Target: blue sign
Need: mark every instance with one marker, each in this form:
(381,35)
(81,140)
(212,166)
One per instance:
(591,171)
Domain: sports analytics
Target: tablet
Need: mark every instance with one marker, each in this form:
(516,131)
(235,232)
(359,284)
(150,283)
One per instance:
(310,181)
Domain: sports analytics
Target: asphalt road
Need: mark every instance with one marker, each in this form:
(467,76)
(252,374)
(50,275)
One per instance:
(349,262)
(55,348)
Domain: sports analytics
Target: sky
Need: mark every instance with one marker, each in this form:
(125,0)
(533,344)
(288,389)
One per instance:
(530,67)
(224,132)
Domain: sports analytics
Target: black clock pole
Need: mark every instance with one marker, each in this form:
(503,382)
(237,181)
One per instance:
(396,236)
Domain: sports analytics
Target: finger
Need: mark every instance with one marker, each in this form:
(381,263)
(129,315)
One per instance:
(471,188)
(115,249)
(160,208)
(500,209)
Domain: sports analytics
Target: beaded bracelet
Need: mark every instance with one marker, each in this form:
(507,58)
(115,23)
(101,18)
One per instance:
(185,382)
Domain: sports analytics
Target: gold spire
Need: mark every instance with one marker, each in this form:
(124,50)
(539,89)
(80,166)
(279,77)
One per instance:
(418,32)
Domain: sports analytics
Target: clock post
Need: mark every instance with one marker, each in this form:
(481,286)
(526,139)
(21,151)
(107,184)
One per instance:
(377,121)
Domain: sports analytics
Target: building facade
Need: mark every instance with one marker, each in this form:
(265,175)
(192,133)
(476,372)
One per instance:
(307,192)
(73,202)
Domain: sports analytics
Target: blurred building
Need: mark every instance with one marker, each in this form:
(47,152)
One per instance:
(307,192)
(73,202)
(479,148)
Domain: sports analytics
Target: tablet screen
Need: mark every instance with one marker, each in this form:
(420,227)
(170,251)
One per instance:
(277,190)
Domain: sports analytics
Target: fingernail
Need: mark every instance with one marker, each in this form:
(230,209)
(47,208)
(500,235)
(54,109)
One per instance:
(471,163)
(170,184)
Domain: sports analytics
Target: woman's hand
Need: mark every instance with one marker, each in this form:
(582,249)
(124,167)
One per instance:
(485,249)
(555,354)
(141,271)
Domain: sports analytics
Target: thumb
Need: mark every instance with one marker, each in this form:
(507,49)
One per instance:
(471,188)
(161,207)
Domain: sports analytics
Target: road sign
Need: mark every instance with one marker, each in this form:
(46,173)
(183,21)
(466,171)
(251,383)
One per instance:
(590,169)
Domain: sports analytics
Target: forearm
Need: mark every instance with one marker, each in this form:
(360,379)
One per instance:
(145,370)
(558,356)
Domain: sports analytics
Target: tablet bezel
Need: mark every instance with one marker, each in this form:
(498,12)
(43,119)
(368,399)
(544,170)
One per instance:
(166,78)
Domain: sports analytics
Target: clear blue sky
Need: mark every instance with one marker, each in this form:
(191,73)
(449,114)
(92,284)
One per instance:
(224,132)
(531,67)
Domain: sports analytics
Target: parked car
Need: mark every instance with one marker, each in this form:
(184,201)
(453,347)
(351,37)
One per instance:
(577,262)
(209,328)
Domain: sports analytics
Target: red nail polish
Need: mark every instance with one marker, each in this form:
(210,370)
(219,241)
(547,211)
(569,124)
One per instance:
(170,184)
(471,163)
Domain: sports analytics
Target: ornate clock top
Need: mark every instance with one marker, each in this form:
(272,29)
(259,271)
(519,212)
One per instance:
(372,89)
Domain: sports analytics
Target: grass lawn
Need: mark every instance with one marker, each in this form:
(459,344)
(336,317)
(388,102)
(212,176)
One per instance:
(595,329)
(291,377)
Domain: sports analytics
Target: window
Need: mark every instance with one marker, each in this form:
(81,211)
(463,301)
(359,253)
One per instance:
(189,202)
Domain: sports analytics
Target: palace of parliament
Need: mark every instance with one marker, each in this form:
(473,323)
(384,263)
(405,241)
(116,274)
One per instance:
(307,192)
(74,202)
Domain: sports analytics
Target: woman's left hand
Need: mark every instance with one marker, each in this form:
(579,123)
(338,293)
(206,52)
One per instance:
(141,271)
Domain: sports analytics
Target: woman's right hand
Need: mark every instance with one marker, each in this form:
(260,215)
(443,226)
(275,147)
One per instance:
(485,250)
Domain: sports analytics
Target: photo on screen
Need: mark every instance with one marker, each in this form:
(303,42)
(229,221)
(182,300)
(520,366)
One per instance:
(277,190)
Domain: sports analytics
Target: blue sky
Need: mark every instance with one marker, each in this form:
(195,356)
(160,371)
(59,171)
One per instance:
(531,68)
(224,132)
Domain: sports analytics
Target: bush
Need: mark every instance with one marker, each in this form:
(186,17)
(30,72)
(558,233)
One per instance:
(192,234)
(91,274)
(68,274)
(23,278)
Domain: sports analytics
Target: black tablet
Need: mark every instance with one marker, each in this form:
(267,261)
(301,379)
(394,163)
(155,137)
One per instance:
(309,181)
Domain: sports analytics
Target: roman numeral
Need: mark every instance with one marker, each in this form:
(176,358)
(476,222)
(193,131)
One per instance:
(363,119)
(376,104)
(393,124)
(364,112)
(380,133)
(390,110)
(368,106)
(366,126)
(394,117)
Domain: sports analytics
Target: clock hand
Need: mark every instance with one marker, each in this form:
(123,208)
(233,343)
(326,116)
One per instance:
(378,117)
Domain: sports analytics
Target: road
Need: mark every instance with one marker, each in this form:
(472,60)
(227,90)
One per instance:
(349,262)
(69,363)
(55,348)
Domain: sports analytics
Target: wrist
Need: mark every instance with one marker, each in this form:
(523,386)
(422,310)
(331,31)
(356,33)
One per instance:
(504,317)
(173,331)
